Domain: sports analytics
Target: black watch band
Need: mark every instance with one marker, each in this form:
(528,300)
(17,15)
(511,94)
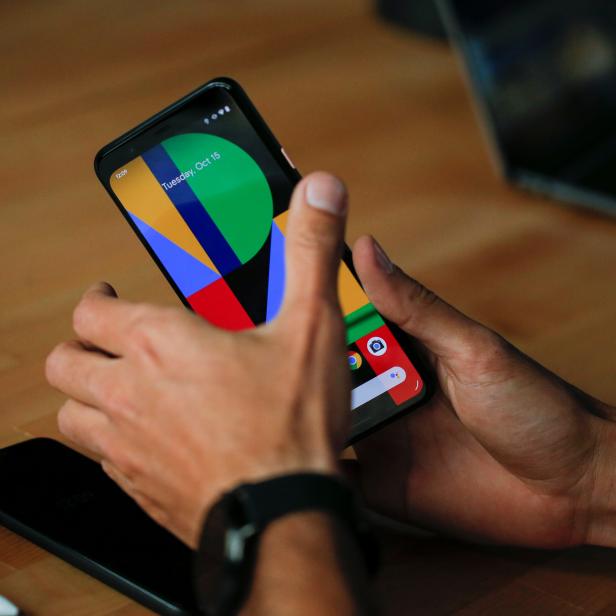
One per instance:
(228,547)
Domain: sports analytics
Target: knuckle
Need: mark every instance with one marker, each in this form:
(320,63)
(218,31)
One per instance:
(308,239)
(418,298)
(142,316)
(486,350)
(54,363)
(104,389)
(144,326)
(316,236)
(116,400)
(171,320)
(484,343)
(65,420)
(419,294)
(150,320)
(110,451)
(140,339)
(123,459)
(105,444)
(101,388)
(81,314)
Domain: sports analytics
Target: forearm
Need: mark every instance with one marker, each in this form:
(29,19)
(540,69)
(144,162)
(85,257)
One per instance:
(308,564)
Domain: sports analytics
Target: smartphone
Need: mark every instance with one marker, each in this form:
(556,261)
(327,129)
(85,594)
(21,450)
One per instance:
(64,502)
(206,186)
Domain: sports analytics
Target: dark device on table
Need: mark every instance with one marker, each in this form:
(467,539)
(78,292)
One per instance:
(543,75)
(206,187)
(64,502)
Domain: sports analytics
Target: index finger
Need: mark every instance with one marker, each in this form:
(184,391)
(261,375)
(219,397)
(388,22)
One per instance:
(103,320)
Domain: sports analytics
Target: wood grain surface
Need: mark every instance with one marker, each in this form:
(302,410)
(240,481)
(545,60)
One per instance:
(344,92)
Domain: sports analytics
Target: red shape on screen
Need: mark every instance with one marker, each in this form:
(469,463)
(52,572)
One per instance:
(394,356)
(217,304)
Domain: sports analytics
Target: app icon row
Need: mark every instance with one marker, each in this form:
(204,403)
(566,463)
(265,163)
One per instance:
(376,346)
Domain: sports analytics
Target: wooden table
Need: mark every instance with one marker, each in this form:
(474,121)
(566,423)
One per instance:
(386,111)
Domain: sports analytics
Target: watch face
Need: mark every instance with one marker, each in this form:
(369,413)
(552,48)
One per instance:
(224,562)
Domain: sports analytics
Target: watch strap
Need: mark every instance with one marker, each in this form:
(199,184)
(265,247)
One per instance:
(274,498)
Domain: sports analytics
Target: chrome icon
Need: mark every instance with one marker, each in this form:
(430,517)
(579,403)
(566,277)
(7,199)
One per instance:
(355,360)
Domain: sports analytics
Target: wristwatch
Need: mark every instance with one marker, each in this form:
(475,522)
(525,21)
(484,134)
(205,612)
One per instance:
(227,553)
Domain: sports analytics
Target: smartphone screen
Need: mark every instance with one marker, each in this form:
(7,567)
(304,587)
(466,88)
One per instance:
(208,192)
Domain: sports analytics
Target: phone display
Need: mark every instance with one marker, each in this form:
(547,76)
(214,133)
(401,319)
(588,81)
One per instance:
(207,188)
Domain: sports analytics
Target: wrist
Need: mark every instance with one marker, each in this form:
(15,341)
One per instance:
(308,563)
(602,523)
(323,461)
(232,539)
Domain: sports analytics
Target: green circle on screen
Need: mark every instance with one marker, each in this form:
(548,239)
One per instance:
(230,186)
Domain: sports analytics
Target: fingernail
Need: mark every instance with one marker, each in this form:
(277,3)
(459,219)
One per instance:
(327,193)
(382,259)
(102,287)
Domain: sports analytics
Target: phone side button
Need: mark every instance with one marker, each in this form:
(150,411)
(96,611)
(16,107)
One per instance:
(287,158)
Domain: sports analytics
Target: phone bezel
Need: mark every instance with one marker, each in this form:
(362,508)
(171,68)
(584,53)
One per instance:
(137,140)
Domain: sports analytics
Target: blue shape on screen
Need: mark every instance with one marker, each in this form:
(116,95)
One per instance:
(189,274)
(192,211)
(275,286)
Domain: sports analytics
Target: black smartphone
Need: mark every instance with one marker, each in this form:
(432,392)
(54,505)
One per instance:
(64,502)
(206,187)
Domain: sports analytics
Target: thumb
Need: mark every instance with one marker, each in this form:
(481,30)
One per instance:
(418,311)
(314,239)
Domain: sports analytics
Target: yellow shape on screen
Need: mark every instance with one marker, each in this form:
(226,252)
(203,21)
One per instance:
(352,296)
(141,194)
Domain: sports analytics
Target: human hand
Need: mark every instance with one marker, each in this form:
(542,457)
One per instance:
(505,451)
(180,411)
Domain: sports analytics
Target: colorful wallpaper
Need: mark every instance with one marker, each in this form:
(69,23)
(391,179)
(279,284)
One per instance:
(205,208)
(207,216)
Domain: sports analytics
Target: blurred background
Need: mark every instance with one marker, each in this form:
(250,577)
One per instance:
(372,93)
